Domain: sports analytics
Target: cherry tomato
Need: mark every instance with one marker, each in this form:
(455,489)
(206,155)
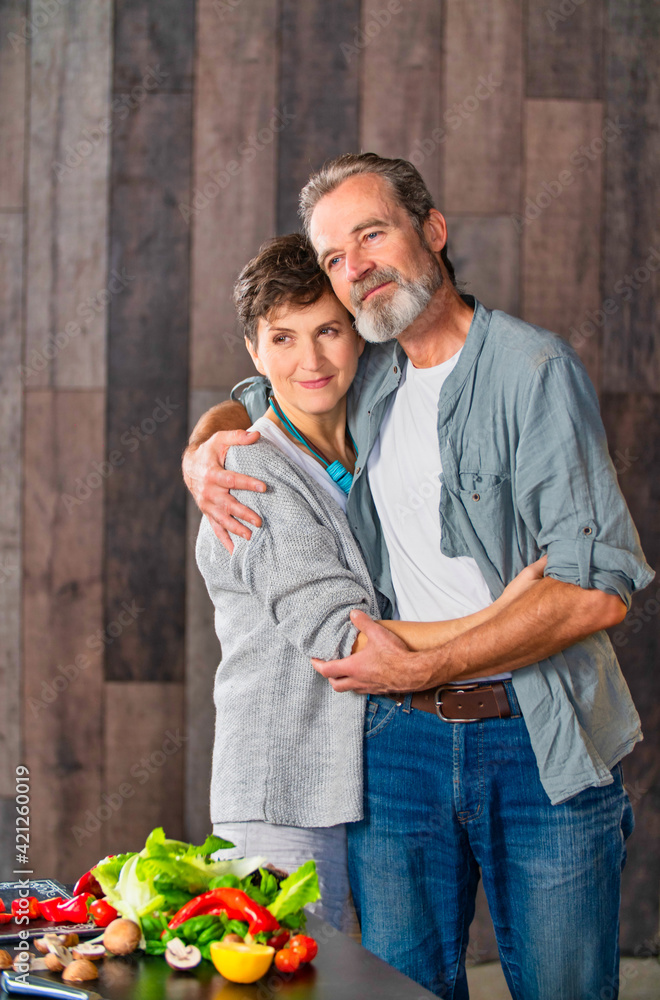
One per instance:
(279,940)
(102,913)
(308,944)
(287,960)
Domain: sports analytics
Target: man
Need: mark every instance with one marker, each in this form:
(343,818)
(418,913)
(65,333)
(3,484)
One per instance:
(480,446)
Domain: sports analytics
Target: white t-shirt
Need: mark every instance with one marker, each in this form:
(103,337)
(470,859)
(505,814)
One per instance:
(403,470)
(271,432)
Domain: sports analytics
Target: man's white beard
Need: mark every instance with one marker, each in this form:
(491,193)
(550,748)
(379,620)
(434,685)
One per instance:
(381,320)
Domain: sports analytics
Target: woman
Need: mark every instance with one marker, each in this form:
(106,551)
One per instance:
(287,761)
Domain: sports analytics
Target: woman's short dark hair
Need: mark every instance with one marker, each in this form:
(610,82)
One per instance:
(404,178)
(285,271)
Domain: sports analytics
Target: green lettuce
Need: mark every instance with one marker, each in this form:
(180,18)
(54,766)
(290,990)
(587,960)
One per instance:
(295,892)
(165,874)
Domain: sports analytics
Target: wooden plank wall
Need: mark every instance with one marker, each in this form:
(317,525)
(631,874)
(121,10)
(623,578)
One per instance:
(146,151)
(12,237)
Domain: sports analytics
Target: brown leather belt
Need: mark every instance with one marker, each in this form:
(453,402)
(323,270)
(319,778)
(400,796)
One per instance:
(462,703)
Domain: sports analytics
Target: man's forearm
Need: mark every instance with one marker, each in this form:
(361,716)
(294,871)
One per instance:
(546,619)
(226,416)
(429,635)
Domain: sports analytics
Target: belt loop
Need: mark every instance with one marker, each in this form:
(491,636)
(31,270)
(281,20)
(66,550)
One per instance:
(516,711)
(406,706)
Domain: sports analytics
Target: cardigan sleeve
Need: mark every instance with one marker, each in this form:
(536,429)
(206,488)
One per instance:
(296,563)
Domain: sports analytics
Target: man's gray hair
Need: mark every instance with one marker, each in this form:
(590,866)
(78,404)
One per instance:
(405,179)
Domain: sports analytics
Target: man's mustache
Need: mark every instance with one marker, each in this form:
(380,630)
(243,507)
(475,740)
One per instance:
(361,288)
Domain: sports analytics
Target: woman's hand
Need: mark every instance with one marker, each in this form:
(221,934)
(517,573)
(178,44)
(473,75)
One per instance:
(521,583)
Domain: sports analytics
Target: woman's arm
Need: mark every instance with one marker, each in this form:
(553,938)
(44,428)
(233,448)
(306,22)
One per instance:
(426,635)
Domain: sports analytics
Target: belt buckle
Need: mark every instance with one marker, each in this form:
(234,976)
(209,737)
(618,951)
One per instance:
(456,690)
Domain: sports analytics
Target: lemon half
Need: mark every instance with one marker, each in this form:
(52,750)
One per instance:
(241,963)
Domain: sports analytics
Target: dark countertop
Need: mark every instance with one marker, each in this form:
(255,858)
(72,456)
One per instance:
(342,970)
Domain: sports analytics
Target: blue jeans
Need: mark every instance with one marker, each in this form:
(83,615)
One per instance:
(446,800)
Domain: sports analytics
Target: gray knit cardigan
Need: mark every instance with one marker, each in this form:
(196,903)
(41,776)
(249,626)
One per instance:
(288,749)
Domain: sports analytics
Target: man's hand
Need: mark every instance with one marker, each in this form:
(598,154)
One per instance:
(208,481)
(380,667)
(542,621)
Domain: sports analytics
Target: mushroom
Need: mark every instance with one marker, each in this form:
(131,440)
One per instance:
(122,936)
(234,937)
(26,958)
(91,951)
(41,944)
(58,956)
(68,940)
(53,963)
(6,961)
(181,956)
(80,970)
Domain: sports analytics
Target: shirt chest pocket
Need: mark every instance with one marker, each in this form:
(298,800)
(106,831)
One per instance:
(481,486)
(486,497)
(477,504)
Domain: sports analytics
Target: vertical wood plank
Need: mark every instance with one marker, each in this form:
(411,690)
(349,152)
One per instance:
(145,746)
(11,465)
(149,247)
(156,35)
(321,89)
(565,49)
(561,222)
(148,389)
(7,839)
(202,658)
(13,49)
(145,533)
(63,613)
(67,281)
(632,422)
(238,124)
(631,243)
(401,42)
(485,252)
(483,119)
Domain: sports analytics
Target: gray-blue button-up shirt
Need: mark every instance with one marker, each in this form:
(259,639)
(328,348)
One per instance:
(525,471)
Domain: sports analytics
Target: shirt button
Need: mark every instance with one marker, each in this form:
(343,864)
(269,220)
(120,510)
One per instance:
(475,496)
(395,369)
(357,470)
(586,531)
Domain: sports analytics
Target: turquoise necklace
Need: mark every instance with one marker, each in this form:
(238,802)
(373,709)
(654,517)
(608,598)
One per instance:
(341,476)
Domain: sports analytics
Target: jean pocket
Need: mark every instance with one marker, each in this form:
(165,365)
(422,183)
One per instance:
(379,715)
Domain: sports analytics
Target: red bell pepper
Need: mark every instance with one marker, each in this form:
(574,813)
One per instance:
(87,883)
(234,902)
(102,913)
(26,906)
(49,908)
(5,918)
(75,910)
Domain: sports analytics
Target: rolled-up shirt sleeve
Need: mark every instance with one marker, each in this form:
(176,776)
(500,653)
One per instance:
(253,394)
(566,487)
(295,566)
